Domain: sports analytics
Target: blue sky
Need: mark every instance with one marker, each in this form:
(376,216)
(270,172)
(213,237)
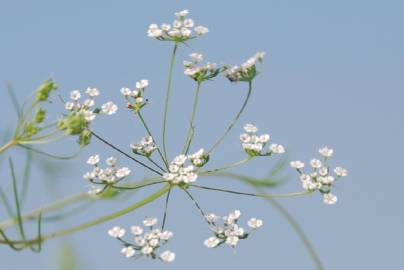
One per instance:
(332,76)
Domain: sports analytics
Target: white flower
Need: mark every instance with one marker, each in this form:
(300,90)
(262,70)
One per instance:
(232,240)
(140,241)
(125,91)
(166,235)
(185,32)
(154,31)
(89,115)
(75,95)
(142,84)
(128,251)
(315,163)
(177,24)
(250,128)
(326,152)
(323,171)
(234,215)
(188,23)
(182,13)
(255,223)
(340,172)
(93,160)
(109,108)
(92,92)
(111,161)
(211,242)
(165,27)
(147,250)
(122,172)
(167,256)
(88,103)
(136,230)
(329,198)
(94,191)
(264,138)
(69,105)
(201,30)
(211,217)
(277,148)
(297,164)
(150,221)
(116,232)
(196,57)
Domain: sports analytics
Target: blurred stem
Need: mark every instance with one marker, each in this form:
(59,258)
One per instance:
(8,145)
(150,134)
(229,128)
(236,164)
(191,129)
(97,221)
(170,77)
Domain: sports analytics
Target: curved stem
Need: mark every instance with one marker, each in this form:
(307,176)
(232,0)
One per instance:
(150,134)
(165,210)
(125,154)
(97,221)
(263,195)
(238,163)
(221,138)
(8,145)
(170,77)
(191,129)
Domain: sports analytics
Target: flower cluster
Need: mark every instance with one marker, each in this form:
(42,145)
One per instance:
(145,147)
(198,72)
(108,176)
(320,178)
(230,233)
(179,173)
(81,114)
(145,243)
(179,31)
(254,144)
(246,72)
(199,158)
(135,98)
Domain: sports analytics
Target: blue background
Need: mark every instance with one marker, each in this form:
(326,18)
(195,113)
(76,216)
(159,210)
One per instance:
(333,76)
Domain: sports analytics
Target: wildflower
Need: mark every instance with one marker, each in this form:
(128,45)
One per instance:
(254,144)
(148,243)
(93,160)
(198,72)
(247,71)
(109,108)
(144,147)
(92,92)
(180,30)
(230,233)
(320,178)
(199,158)
(116,232)
(179,173)
(135,97)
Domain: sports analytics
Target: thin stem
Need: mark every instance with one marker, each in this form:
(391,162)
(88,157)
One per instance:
(40,141)
(196,204)
(150,134)
(51,155)
(191,129)
(221,138)
(170,76)
(283,195)
(155,163)
(233,165)
(8,145)
(165,210)
(99,220)
(125,154)
(138,186)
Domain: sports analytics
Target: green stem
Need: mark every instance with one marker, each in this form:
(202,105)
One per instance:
(219,141)
(238,163)
(150,134)
(8,145)
(100,220)
(191,128)
(170,76)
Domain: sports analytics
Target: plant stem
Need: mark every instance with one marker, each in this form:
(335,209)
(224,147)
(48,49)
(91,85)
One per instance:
(191,129)
(150,134)
(238,163)
(8,145)
(170,76)
(219,141)
(284,195)
(165,210)
(97,221)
